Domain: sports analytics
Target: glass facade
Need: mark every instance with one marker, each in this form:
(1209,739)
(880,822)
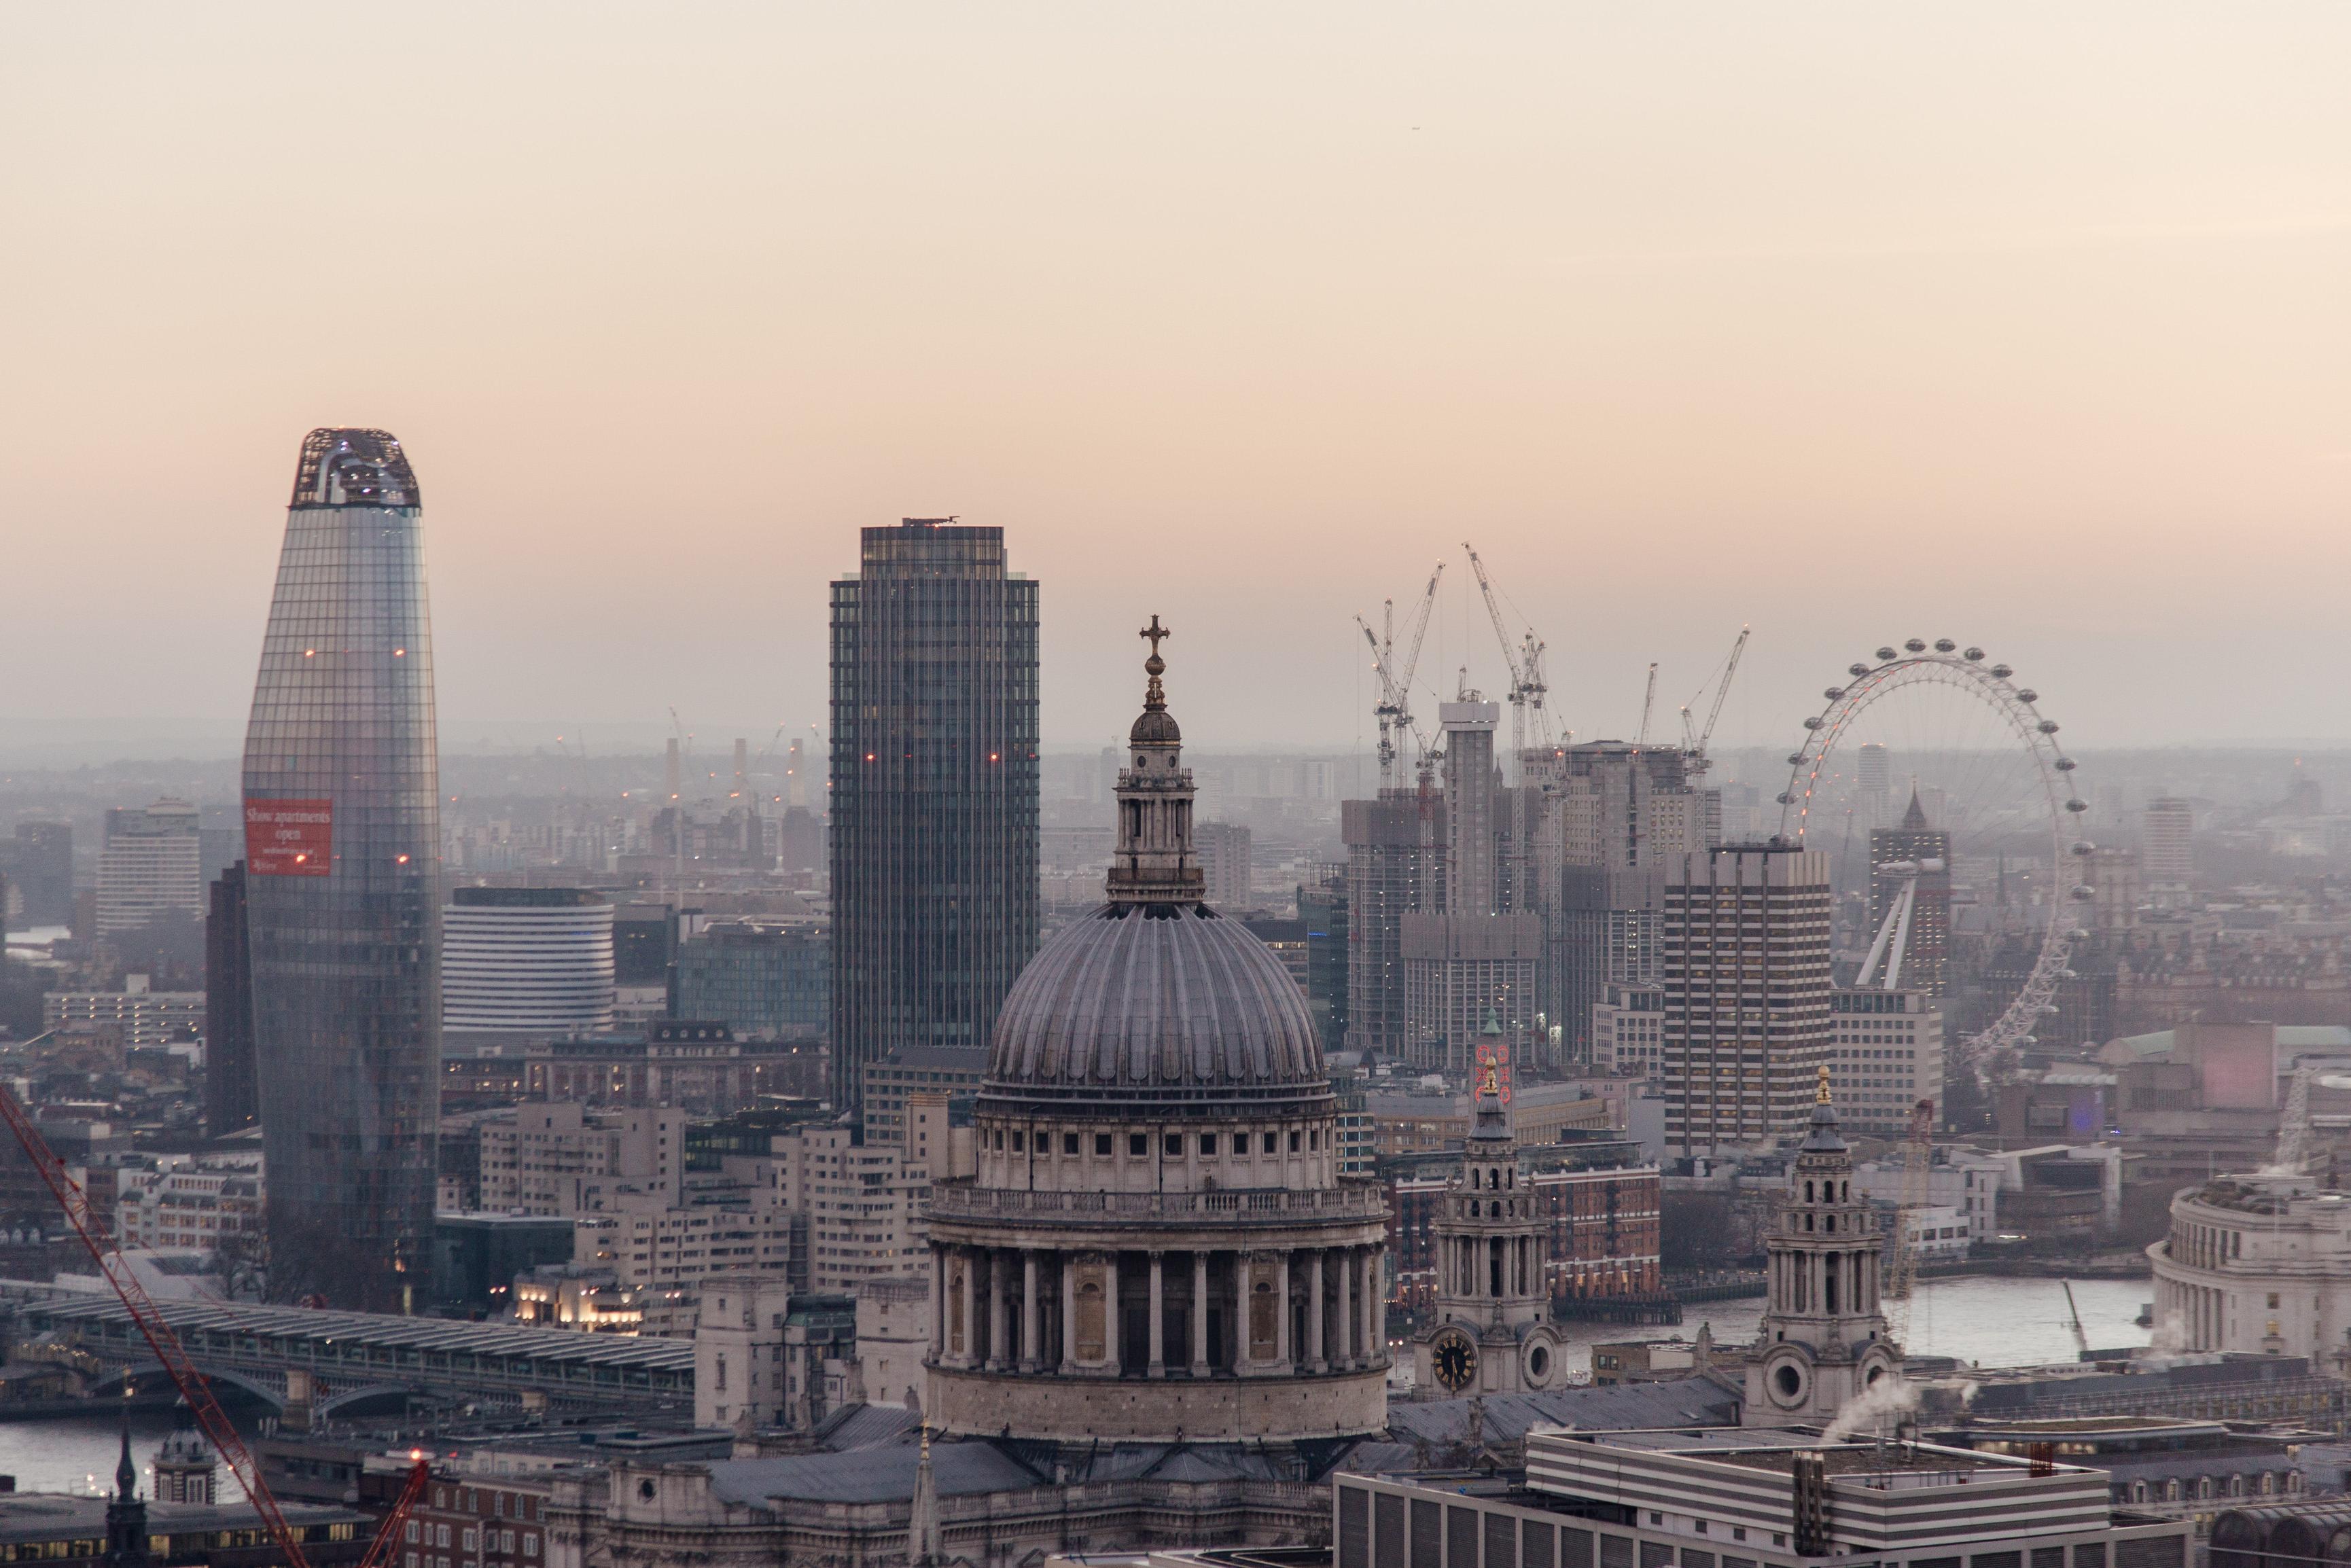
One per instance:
(934,793)
(342,883)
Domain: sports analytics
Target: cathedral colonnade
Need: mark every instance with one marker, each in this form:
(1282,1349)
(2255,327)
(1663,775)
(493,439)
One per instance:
(1112,1310)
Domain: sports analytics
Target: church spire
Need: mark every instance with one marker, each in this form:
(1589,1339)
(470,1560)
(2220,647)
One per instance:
(1153,865)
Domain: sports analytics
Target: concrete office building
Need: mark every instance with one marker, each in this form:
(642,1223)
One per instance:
(1746,987)
(526,959)
(1474,959)
(342,882)
(1224,850)
(151,868)
(1158,1245)
(1620,815)
(933,801)
(2167,845)
(1886,1054)
(1396,859)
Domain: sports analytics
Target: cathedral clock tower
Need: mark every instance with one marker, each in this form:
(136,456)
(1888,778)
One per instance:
(1491,1332)
(1823,1339)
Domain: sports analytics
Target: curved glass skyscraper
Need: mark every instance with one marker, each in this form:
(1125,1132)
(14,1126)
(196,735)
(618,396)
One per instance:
(343,852)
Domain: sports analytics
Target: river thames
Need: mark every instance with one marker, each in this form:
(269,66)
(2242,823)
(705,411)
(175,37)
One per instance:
(1988,1322)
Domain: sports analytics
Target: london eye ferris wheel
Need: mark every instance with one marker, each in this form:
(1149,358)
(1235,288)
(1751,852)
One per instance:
(2011,786)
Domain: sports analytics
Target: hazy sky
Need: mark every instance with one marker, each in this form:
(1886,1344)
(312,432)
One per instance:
(2028,325)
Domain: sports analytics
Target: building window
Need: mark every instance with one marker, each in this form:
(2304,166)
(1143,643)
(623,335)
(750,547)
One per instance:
(1101,1145)
(1174,1146)
(1138,1144)
(1069,1142)
(1208,1143)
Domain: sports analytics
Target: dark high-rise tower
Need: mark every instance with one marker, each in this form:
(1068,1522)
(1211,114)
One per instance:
(232,1078)
(342,882)
(933,792)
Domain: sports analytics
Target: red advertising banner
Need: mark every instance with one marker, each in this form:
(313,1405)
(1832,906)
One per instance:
(289,838)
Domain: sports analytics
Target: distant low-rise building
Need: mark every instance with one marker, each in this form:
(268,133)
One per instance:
(149,1021)
(771,981)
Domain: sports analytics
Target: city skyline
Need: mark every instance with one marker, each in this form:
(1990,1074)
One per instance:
(1389,283)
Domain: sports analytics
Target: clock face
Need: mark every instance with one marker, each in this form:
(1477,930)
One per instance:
(1454,1360)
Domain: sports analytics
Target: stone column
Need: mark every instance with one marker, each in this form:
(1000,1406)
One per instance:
(1029,1359)
(996,1360)
(1284,1353)
(1375,1339)
(1315,1361)
(1345,1308)
(938,1300)
(1114,1315)
(1199,1314)
(1243,1266)
(1158,1345)
(972,1308)
(1068,1314)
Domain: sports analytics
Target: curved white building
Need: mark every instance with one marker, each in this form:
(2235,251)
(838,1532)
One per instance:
(525,959)
(2256,1263)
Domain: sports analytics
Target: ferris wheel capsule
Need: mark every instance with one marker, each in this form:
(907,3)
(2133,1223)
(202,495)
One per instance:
(2084,847)
(2068,975)
(2078,934)
(1834,693)
(1857,670)
(1813,723)
(2085,892)
(1973,655)
(2002,672)
(1917,645)
(1945,646)
(2065,764)
(2047,726)
(2027,695)
(1884,654)
(1795,759)
(2077,805)
(1787,799)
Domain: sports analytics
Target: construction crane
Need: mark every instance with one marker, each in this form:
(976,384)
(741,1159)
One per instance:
(1648,702)
(2081,1335)
(1917,1157)
(1524,660)
(1394,708)
(2294,1151)
(115,1269)
(1694,736)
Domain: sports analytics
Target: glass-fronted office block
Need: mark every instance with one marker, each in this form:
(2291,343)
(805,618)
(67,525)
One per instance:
(933,792)
(343,852)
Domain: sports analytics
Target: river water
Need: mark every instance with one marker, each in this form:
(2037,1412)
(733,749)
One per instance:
(1988,1322)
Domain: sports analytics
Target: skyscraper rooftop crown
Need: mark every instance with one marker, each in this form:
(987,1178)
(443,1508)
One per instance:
(354,468)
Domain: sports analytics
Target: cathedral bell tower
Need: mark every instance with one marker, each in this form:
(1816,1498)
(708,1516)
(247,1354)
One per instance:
(1823,1339)
(1490,1332)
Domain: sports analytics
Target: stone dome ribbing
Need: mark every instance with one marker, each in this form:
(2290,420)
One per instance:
(1170,1004)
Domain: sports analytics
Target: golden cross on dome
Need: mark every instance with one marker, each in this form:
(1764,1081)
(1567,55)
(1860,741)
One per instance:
(1153,695)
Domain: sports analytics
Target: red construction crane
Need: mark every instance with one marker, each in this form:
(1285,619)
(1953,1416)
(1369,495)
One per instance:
(193,1386)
